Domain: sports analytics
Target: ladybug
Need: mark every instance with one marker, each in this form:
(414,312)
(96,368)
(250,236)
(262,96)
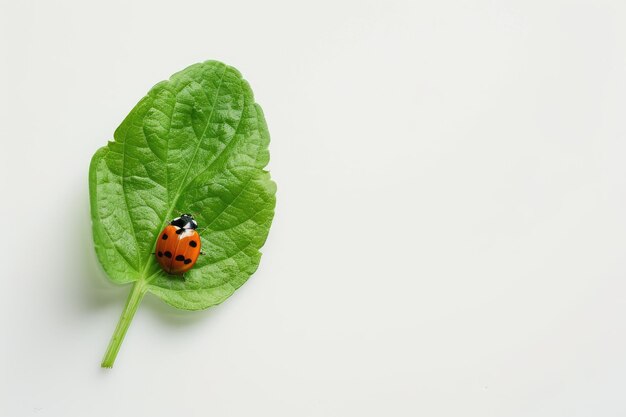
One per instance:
(178,245)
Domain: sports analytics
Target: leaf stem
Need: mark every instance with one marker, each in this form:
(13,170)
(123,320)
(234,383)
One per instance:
(132,303)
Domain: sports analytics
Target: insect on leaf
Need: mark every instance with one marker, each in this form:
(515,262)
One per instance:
(196,143)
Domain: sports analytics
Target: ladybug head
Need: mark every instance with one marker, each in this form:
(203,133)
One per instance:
(185,221)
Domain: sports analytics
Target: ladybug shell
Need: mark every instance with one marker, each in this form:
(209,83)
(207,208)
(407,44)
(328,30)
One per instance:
(176,252)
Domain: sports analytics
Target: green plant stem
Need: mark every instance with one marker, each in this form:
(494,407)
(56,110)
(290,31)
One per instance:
(132,303)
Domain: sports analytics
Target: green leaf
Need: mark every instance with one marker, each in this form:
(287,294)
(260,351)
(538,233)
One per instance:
(196,143)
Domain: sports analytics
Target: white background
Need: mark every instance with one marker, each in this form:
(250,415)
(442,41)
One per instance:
(451,223)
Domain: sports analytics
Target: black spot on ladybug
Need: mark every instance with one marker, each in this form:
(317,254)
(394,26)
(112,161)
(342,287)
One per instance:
(160,254)
(164,237)
(187,261)
(193,244)
(179,231)
(168,254)
(180,258)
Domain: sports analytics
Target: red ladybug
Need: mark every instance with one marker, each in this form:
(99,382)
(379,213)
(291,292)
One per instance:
(178,245)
